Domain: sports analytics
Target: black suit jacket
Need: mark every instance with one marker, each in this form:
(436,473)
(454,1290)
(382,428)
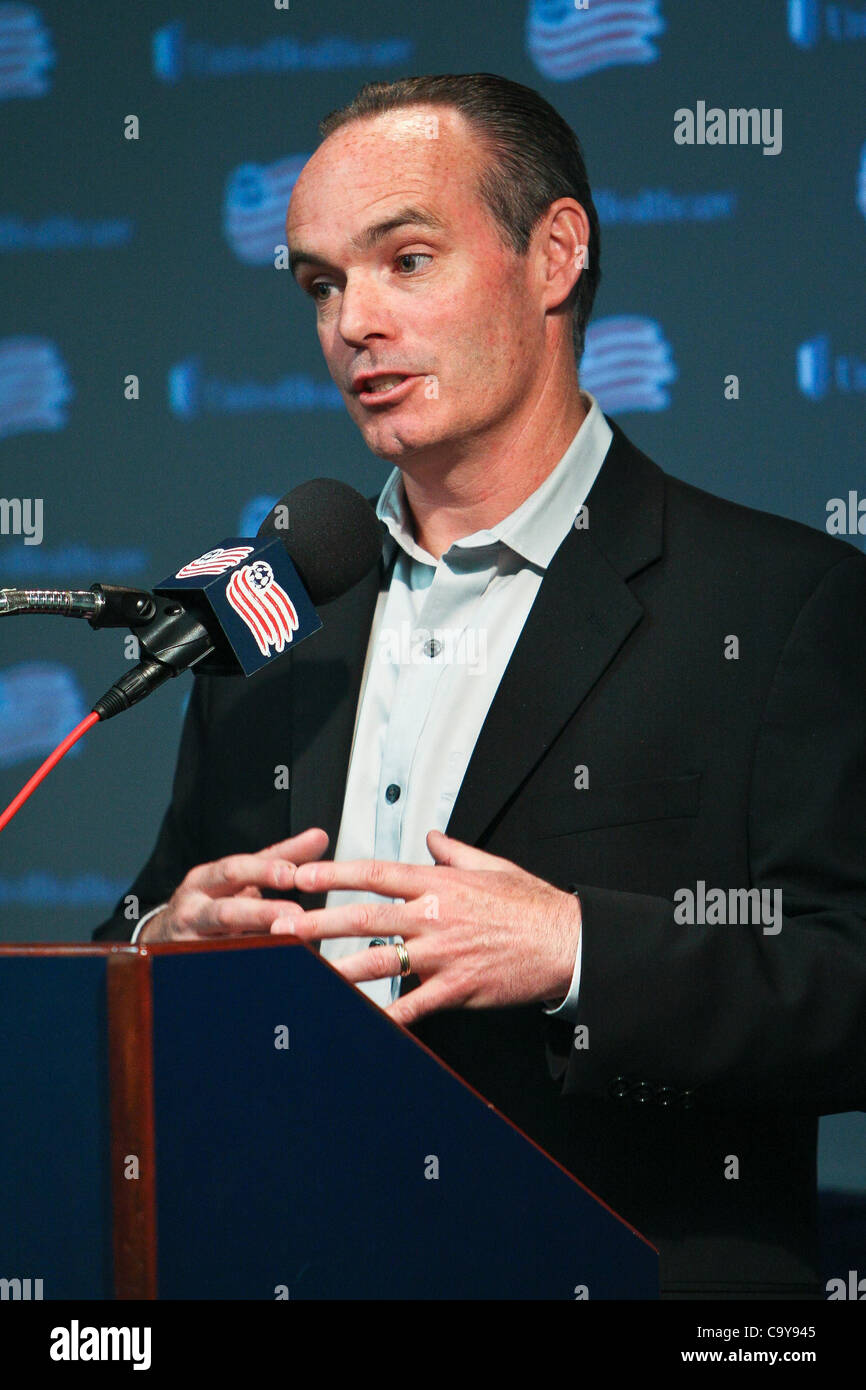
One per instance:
(706,1043)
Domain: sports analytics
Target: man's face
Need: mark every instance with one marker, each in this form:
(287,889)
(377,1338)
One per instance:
(411,280)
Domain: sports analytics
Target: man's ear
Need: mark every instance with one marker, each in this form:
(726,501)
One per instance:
(564,250)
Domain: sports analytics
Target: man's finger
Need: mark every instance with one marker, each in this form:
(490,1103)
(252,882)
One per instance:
(200,915)
(368,875)
(432,995)
(272,868)
(226,877)
(382,962)
(458,855)
(353,919)
(309,844)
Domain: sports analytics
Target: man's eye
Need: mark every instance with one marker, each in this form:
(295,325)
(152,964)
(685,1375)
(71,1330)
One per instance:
(320,285)
(414,257)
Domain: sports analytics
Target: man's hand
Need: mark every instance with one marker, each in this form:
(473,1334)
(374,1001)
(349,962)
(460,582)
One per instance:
(480,931)
(224,898)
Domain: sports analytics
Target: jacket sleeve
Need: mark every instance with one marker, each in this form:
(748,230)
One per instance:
(734,1015)
(178,845)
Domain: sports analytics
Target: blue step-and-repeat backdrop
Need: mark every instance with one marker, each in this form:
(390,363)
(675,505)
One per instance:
(160,377)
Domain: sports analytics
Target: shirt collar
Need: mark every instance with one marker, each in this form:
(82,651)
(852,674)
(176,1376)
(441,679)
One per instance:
(536,528)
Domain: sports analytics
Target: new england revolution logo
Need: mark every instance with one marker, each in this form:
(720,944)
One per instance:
(263,605)
(215,561)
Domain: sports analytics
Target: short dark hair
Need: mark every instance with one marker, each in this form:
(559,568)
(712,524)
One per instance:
(536,157)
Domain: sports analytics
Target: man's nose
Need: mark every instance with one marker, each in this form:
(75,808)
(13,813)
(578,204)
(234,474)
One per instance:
(363,311)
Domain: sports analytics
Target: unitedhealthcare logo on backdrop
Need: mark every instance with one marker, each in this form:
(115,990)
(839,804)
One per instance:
(811,20)
(37,888)
(254,207)
(25,52)
(176,56)
(72,561)
(40,701)
(61,232)
(34,386)
(819,372)
(658,205)
(627,364)
(570,38)
(190,393)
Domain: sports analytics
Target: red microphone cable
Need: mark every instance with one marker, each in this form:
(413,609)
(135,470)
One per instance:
(132,687)
(51,761)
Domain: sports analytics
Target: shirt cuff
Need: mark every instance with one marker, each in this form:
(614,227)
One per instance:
(145,919)
(568,1007)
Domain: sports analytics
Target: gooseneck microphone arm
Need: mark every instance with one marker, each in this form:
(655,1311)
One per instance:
(103,605)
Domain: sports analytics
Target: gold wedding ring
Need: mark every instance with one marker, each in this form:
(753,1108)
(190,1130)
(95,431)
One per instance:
(403,957)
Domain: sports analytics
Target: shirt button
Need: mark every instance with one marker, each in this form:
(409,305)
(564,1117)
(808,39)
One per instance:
(433,647)
(392,793)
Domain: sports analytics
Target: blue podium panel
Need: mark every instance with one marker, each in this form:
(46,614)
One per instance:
(55,1192)
(307,1147)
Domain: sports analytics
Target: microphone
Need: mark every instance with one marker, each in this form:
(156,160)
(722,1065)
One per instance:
(242,603)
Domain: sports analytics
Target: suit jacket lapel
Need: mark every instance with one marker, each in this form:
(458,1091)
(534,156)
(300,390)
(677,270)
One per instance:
(582,615)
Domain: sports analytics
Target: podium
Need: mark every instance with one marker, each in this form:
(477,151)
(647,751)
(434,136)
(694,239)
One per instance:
(232,1120)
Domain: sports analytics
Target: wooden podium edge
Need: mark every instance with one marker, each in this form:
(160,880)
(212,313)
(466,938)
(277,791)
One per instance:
(130,1073)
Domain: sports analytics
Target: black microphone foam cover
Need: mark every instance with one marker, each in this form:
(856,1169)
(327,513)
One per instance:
(331,532)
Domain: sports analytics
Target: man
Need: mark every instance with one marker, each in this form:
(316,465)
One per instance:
(662,741)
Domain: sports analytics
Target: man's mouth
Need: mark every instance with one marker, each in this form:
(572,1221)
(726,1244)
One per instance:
(383,383)
(384,387)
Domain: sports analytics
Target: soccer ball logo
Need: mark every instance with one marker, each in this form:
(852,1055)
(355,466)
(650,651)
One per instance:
(261,576)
